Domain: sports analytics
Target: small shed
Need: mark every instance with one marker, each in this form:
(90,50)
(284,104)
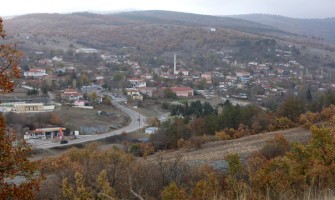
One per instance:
(151,130)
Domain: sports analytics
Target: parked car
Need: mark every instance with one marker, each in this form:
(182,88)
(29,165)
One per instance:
(64,142)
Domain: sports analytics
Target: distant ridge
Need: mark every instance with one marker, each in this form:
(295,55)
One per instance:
(317,28)
(159,16)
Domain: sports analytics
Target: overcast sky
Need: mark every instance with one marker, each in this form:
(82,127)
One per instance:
(289,8)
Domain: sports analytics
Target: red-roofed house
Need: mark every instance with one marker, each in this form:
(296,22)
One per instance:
(71,95)
(183,91)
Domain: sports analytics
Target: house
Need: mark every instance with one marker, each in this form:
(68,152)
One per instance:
(151,130)
(71,95)
(207,76)
(242,74)
(183,91)
(35,73)
(99,80)
(90,89)
(22,107)
(135,94)
(169,76)
(147,76)
(57,59)
(137,83)
(81,103)
(182,72)
(147,90)
(29,107)
(45,62)
(212,29)
(86,50)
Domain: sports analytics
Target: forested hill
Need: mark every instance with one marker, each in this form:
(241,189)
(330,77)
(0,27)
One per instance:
(315,28)
(169,17)
(80,21)
(149,32)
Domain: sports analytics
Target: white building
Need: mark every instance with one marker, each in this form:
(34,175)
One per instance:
(57,59)
(151,130)
(137,83)
(35,73)
(86,50)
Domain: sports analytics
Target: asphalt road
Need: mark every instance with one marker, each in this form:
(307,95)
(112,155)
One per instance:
(133,126)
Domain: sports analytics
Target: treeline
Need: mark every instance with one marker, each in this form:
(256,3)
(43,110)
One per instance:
(195,123)
(25,122)
(278,171)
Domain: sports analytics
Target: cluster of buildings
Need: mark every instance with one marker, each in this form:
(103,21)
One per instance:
(240,83)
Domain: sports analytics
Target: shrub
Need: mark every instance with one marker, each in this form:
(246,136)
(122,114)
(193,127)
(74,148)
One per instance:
(275,147)
(221,135)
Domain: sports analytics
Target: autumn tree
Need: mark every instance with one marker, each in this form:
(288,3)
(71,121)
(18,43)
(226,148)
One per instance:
(80,191)
(14,161)
(173,192)
(292,108)
(208,187)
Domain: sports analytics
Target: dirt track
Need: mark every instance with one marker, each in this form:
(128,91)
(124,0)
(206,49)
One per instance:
(216,151)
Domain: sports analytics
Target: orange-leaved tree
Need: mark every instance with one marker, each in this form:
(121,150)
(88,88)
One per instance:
(18,176)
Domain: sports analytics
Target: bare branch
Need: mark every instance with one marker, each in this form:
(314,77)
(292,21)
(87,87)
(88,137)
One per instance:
(131,189)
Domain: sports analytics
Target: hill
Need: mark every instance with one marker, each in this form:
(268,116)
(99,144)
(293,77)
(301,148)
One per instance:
(150,34)
(315,28)
(145,30)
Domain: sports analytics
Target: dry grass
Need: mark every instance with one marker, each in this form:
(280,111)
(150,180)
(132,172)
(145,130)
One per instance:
(77,117)
(213,151)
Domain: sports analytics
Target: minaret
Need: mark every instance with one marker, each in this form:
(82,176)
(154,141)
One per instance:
(175,64)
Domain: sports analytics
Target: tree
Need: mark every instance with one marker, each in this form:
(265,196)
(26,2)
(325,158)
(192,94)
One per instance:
(169,94)
(292,108)
(173,192)
(208,187)
(80,192)
(85,80)
(94,97)
(13,153)
(107,100)
(309,96)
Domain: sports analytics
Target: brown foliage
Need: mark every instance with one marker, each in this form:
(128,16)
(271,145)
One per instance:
(55,119)
(281,123)
(198,126)
(13,153)
(275,147)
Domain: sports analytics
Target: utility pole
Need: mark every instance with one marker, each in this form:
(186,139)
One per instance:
(139,120)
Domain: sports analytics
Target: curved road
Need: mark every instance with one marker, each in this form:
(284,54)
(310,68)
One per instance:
(134,125)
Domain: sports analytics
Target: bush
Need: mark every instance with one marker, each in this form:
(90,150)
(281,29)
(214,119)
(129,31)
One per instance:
(183,143)
(282,123)
(197,141)
(135,149)
(221,135)
(275,147)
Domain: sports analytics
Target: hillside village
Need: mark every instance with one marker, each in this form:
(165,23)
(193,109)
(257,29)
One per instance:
(204,63)
(165,105)
(251,81)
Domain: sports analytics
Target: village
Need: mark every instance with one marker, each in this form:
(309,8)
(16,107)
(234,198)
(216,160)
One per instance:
(52,82)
